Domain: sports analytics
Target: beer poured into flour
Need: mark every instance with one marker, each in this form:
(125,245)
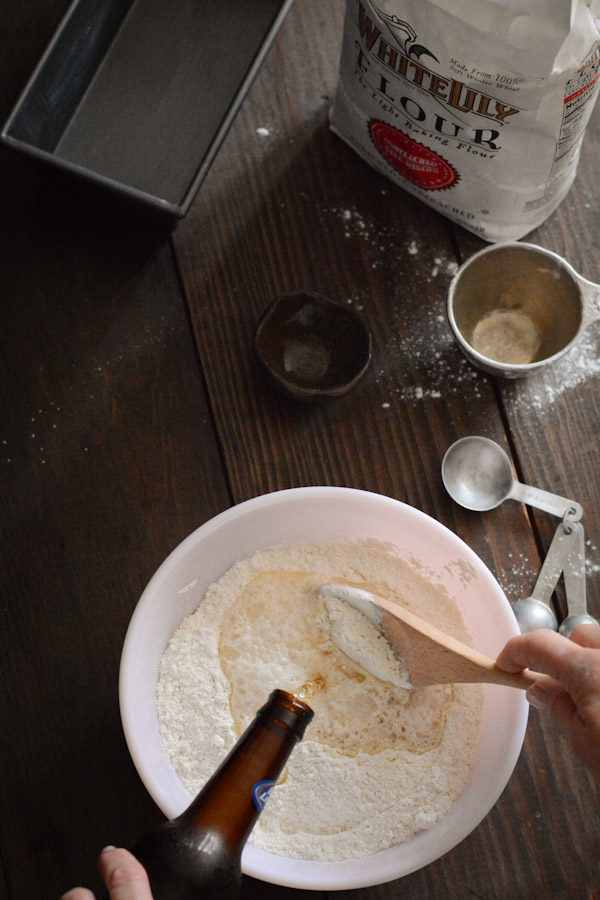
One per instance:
(405,753)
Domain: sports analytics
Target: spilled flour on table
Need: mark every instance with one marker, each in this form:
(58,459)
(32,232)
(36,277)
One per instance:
(437,360)
(378,763)
(384,242)
(580,364)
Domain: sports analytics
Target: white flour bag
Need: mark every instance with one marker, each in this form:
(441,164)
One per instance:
(478,107)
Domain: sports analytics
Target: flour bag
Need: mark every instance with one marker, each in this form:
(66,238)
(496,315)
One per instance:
(478,107)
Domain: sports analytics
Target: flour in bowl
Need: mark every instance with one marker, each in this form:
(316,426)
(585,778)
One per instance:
(378,763)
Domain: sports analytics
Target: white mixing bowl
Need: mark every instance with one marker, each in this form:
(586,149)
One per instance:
(313,515)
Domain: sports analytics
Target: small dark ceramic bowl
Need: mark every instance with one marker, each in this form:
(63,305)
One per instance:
(311,347)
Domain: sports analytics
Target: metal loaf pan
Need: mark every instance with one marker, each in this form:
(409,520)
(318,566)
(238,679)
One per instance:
(139,94)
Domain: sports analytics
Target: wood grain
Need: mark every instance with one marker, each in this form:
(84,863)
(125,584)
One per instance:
(108,461)
(133,411)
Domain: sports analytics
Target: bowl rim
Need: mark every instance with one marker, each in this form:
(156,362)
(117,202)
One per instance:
(385,865)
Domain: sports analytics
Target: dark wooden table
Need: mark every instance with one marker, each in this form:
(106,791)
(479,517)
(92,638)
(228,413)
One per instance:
(132,412)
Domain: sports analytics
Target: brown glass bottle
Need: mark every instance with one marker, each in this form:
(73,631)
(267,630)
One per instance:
(198,854)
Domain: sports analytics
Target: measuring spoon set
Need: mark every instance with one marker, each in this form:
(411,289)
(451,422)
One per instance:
(477,474)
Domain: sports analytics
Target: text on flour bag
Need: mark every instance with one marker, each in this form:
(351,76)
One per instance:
(476,107)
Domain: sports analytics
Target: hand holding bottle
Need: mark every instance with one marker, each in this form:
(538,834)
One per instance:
(197,856)
(123,875)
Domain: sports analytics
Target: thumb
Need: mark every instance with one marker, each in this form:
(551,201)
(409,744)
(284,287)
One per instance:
(125,877)
(543,650)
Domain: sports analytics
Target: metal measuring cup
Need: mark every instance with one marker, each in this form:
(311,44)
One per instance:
(516,307)
(575,586)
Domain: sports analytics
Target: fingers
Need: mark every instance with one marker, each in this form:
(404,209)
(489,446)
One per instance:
(125,877)
(78,894)
(572,663)
(569,689)
(549,695)
(542,649)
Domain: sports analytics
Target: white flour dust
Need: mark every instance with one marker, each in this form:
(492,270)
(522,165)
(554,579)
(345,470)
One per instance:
(378,763)
(577,367)
(442,371)
(383,240)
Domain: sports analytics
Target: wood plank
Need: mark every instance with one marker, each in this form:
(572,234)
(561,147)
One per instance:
(553,420)
(288,206)
(294,208)
(554,415)
(110,457)
(552,424)
(109,460)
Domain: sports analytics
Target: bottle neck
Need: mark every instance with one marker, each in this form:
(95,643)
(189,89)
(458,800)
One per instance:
(237,792)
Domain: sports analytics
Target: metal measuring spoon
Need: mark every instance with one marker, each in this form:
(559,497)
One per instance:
(575,588)
(477,473)
(535,611)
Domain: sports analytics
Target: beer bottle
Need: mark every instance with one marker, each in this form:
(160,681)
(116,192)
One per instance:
(197,856)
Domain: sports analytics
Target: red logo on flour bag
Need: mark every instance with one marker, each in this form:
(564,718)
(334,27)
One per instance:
(414,161)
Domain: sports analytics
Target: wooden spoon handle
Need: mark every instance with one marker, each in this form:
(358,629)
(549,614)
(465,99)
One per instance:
(435,657)
(488,672)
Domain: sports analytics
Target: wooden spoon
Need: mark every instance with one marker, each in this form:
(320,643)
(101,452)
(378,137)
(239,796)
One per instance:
(431,656)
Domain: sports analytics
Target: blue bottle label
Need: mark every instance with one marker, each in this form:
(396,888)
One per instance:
(261,792)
